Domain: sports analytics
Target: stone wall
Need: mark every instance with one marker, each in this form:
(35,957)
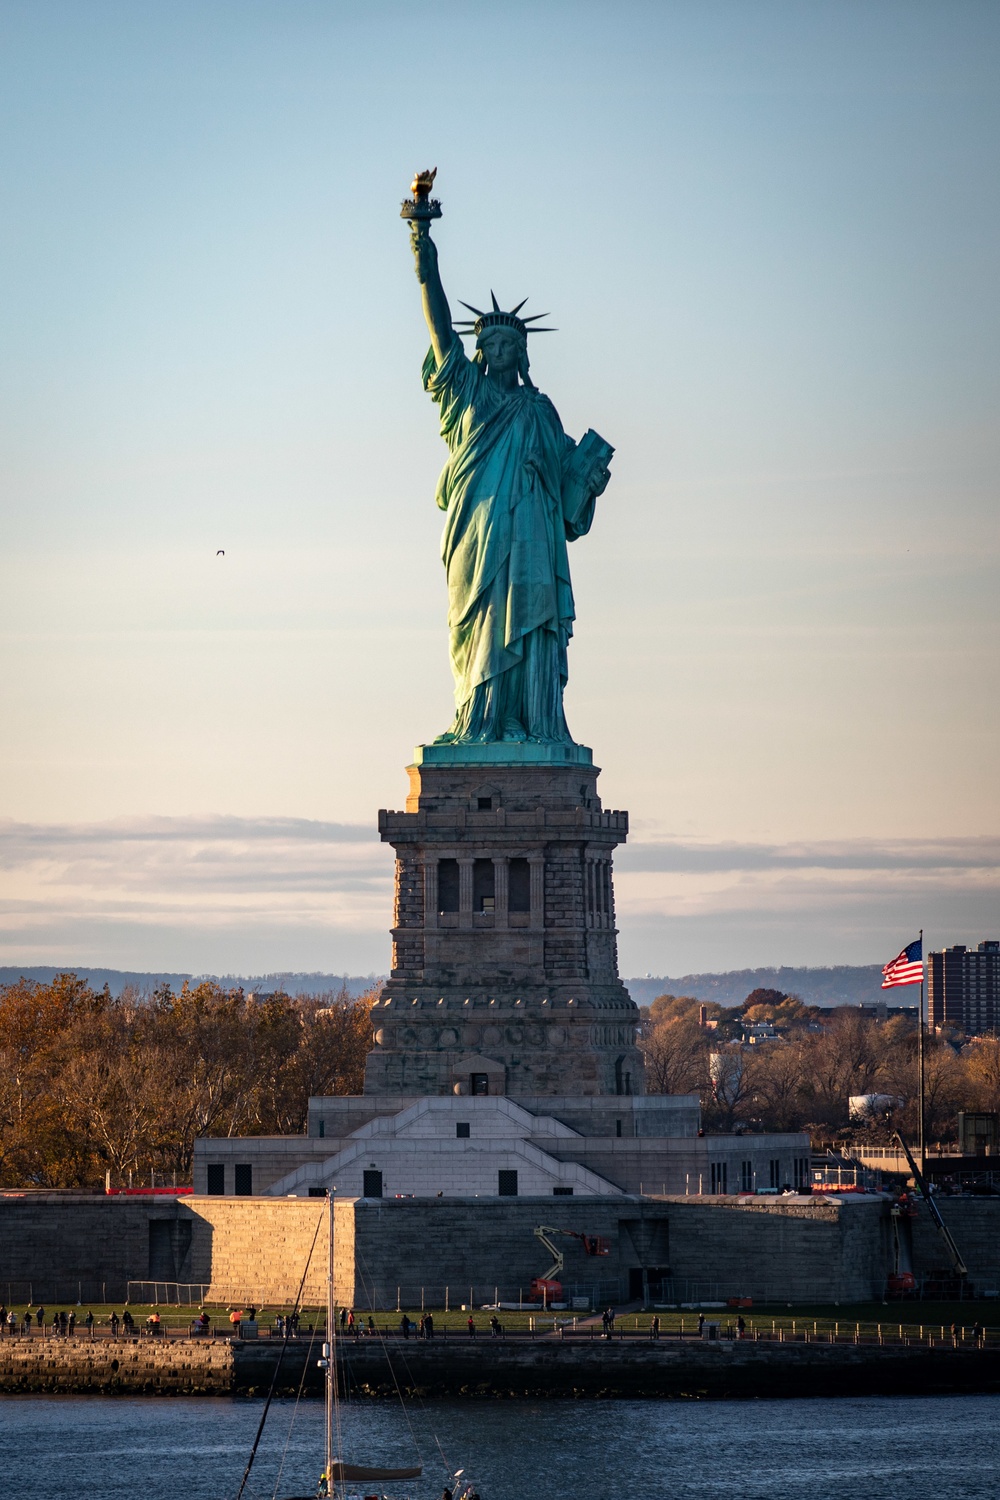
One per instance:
(259,1249)
(545,1366)
(460,1248)
(62,1246)
(793,1249)
(975,1225)
(714,1247)
(692,1368)
(189,1367)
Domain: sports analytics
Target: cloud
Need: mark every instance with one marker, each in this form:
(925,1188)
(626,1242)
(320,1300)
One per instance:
(669,855)
(25,836)
(228,875)
(231,893)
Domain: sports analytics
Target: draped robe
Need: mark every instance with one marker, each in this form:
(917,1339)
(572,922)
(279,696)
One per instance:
(510,600)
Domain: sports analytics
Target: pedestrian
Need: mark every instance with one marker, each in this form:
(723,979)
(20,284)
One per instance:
(404,1326)
(27,1322)
(371,1326)
(113,1320)
(11,1323)
(279,1325)
(128,1322)
(605,1324)
(294,1320)
(89,1322)
(343,1319)
(701,1323)
(71,1325)
(63,1323)
(654,1327)
(741,1326)
(494,1327)
(40,1316)
(472,1326)
(3,1316)
(422,1327)
(429,1326)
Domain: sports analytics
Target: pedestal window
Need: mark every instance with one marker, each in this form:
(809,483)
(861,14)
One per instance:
(519,886)
(447,884)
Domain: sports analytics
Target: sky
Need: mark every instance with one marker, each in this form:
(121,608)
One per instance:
(768,236)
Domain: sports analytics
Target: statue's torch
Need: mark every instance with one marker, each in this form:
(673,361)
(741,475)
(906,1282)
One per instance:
(421,208)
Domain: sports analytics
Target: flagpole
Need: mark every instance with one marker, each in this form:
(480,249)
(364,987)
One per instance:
(920,1066)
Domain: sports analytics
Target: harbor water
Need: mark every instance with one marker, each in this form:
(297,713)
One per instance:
(923,1448)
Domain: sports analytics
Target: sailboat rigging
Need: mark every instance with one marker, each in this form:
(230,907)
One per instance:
(337,1473)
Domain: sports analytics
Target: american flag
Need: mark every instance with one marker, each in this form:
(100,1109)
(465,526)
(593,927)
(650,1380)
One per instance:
(907,968)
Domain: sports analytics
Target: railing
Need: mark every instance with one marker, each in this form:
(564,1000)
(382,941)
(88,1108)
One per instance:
(634,1329)
(168,1293)
(63,1292)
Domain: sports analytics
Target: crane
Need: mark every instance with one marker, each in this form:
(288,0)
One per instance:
(960,1268)
(547,1286)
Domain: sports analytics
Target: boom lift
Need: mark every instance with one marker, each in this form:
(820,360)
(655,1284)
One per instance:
(548,1287)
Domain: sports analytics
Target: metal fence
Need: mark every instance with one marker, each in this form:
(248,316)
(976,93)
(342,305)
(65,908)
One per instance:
(62,1291)
(168,1293)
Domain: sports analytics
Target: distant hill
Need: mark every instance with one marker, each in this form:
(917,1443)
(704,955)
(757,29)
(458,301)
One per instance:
(146,983)
(846,984)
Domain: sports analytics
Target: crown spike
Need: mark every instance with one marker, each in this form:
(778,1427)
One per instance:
(499,319)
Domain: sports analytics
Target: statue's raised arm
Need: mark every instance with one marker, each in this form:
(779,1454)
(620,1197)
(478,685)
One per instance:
(436,309)
(420,210)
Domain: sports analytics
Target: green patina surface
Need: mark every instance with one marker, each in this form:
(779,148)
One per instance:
(516,489)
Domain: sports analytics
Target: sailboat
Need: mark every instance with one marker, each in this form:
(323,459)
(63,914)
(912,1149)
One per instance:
(337,1472)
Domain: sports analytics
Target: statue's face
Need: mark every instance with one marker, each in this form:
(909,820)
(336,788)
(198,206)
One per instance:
(502,349)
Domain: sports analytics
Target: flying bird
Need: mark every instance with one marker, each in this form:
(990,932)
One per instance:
(221,552)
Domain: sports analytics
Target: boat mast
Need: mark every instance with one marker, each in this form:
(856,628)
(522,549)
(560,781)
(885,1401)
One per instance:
(331,1338)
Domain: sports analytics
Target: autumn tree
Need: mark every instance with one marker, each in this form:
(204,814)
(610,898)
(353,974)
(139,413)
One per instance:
(92,1084)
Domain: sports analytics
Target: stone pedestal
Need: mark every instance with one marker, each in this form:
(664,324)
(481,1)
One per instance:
(505,972)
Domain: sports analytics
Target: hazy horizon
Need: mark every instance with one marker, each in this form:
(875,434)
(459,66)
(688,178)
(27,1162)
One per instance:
(768,239)
(845,985)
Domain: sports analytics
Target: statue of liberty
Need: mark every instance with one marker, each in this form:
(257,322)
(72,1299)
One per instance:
(515,490)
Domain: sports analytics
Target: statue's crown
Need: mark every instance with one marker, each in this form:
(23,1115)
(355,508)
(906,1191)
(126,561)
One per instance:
(499,319)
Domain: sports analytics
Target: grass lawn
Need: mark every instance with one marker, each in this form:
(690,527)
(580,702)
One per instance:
(825,1318)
